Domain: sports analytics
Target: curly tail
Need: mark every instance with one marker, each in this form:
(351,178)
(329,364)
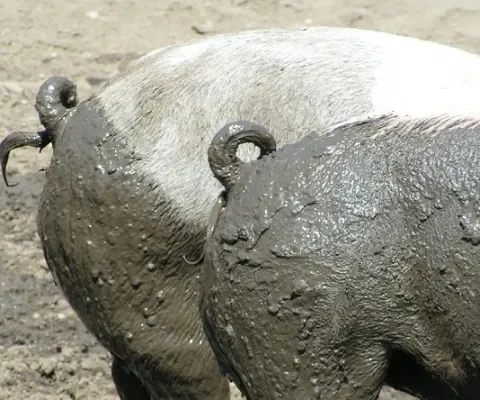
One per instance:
(222,153)
(56,95)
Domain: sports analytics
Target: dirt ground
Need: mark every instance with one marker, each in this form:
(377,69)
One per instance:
(45,352)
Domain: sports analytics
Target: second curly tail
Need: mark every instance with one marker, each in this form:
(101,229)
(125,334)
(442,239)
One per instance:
(222,153)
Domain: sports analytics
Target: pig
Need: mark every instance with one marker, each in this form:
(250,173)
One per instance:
(124,212)
(348,260)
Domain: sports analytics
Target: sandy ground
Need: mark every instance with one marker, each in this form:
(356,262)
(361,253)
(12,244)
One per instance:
(45,352)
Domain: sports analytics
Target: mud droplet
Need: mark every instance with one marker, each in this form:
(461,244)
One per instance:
(89,243)
(79,177)
(438,204)
(151,267)
(136,282)
(301,347)
(160,297)
(129,336)
(147,312)
(471,227)
(273,309)
(111,170)
(95,274)
(296,362)
(230,334)
(111,238)
(152,320)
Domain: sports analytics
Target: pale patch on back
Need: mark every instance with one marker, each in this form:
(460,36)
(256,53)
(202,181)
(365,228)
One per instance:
(440,79)
(175,55)
(429,126)
(394,125)
(173,101)
(116,93)
(169,107)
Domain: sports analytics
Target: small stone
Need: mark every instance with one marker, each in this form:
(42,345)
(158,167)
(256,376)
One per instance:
(89,364)
(70,368)
(46,367)
(19,367)
(92,14)
(68,352)
(204,28)
(96,80)
(19,340)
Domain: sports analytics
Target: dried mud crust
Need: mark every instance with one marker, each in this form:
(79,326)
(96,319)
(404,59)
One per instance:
(45,352)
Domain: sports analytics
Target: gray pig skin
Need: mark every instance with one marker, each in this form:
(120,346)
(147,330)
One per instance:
(349,260)
(125,208)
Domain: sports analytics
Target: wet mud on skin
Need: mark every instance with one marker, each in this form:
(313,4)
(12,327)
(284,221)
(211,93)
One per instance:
(111,243)
(339,264)
(45,352)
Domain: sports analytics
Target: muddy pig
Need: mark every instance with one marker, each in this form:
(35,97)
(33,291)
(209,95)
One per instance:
(128,192)
(348,260)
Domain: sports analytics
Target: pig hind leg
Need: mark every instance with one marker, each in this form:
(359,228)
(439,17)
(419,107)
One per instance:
(128,386)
